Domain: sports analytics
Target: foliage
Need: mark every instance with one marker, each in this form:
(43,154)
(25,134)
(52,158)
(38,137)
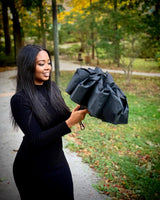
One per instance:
(37,11)
(70,51)
(125,156)
(158,57)
(7,60)
(31,20)
(150,16)
(115,30)
(120,28)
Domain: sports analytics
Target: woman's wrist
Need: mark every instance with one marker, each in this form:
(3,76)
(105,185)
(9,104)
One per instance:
(69,123)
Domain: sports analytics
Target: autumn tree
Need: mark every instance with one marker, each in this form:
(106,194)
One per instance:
(6,27)
(80,23)
(150,15)
(39,8)
(17,29)
(56,42)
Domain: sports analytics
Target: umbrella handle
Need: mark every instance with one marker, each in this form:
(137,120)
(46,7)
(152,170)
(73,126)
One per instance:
(82,126)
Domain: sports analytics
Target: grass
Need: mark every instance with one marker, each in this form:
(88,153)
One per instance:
(139,64)
(148,65)
(127,157)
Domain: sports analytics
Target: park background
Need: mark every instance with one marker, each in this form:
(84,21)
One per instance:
(116,34)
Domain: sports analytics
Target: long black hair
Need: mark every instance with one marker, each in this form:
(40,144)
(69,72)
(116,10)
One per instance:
(26,63)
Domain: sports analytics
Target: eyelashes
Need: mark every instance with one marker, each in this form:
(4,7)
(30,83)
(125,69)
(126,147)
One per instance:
(42,64)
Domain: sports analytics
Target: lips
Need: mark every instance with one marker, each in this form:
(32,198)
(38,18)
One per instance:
(46,74)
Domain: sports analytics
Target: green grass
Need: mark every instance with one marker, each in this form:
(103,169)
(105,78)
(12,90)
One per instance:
(145,65)
(139,65)
(127,157)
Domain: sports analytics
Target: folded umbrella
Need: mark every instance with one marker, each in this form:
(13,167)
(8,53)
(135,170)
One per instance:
(97,91)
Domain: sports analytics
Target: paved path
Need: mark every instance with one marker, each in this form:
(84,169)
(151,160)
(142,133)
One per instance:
(83,176)
(70,66)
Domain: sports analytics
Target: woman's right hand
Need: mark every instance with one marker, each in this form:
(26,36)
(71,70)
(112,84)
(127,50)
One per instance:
(76,116)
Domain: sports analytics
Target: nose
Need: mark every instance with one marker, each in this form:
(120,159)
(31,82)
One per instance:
(47,66)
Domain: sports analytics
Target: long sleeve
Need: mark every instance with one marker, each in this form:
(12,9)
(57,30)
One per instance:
(30,126)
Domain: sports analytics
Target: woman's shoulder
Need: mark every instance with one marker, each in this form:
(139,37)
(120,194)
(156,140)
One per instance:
(19,97)
(19,94)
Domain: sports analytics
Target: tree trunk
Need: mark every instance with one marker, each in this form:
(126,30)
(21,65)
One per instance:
(41,13)
(16,27)
(116,41)
(56,43)
(93,47)
(6,28)
(92,31)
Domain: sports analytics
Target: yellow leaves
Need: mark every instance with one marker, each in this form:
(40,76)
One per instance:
(115,147)
(79,5)
(96,163)
(102,134)
(134,128)
(123,183)
(61,16)
(85,152)
(76,6)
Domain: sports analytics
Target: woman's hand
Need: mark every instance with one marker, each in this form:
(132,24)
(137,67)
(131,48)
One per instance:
(76,116)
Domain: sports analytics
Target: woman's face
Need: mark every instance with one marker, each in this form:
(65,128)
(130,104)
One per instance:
(43,68)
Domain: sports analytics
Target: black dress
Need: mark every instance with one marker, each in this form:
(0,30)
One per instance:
(40,168)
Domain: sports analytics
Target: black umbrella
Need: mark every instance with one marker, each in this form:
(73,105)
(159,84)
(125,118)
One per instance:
(97,91)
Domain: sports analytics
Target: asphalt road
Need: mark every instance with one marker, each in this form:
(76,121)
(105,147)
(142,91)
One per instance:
(83,176)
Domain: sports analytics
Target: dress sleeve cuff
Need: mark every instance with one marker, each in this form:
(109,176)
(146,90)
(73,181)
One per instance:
(66,128)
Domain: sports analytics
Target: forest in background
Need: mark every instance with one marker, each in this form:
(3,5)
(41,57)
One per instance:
(99,29)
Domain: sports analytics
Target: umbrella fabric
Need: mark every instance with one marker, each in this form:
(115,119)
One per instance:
(97,91)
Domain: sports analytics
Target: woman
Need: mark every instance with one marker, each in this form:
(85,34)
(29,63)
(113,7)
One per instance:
(40,168)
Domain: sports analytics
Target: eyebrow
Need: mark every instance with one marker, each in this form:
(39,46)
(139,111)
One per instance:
(42,60)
